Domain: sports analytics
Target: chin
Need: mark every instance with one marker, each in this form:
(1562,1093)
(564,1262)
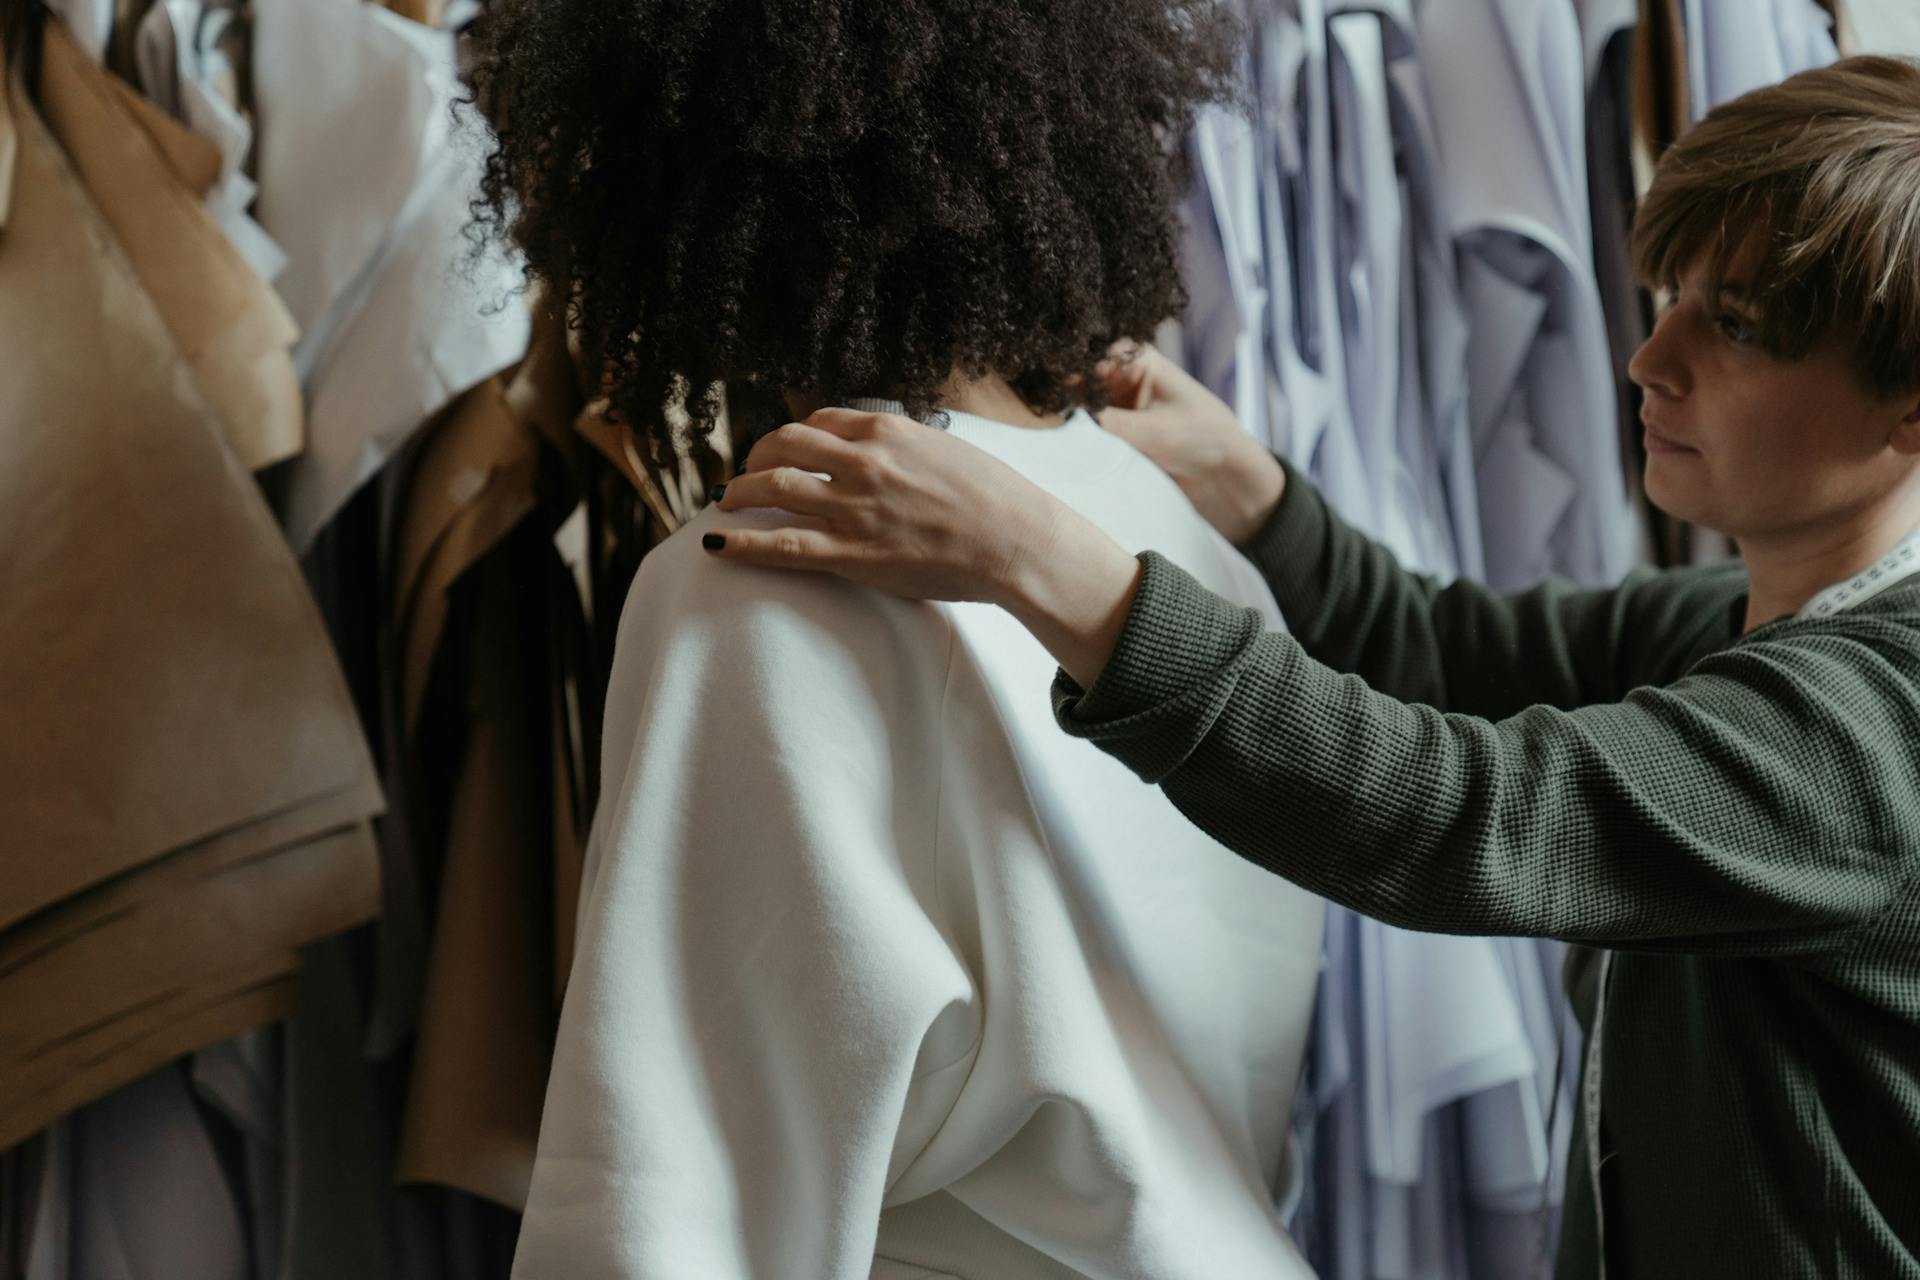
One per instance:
(1678,496)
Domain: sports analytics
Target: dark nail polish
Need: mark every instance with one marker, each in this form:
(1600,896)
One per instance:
(716,493)
(713,541)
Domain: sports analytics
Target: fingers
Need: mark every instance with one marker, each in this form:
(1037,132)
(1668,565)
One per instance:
(802,447)
(1127,372)
(787,488)
(855,424)
(811,549)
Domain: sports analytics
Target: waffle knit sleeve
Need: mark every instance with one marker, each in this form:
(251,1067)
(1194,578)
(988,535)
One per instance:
(1741,809)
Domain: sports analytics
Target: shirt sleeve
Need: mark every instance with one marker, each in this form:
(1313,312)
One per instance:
(1741,809)
(1460,647)
(761,995)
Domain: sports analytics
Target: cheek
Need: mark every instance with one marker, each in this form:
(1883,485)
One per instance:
(1779,442)
(1758,425)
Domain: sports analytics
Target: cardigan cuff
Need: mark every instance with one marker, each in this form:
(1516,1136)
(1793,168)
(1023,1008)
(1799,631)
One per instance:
(1171,672)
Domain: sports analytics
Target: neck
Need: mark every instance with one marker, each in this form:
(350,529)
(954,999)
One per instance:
(989,396)
(1784,573)
(992,397)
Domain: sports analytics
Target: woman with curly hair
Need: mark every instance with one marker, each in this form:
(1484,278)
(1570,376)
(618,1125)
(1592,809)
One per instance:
(827,201)
(877,973)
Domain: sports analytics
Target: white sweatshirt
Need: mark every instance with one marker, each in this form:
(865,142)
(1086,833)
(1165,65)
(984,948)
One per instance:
(880,974)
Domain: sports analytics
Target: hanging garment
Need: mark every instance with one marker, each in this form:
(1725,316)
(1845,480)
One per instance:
(1878,26)
(90,21)
(348,1043)
(1506,84)
(1737,45)
(1661,96)
(1398,449)
(1626,307)
(430,13)
(1436,437)
(878,976)
(150,1198)
(1402,330)
(181,67)
(1295,168)
(93,1064)
(1601,21)
(489,1008)
(1516,1137)
(157,648)
(147,176)
(1223,338)
(133,1186)
(1409,1028)
(133,540)
(365,181)
(475,546)
(177,933)
(242,1081)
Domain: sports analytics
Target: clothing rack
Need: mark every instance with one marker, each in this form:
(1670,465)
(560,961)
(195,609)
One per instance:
(313,566)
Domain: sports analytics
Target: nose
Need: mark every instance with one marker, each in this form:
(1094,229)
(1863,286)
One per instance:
(1660,365)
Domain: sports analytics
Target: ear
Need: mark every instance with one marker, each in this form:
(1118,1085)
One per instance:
(1906,432)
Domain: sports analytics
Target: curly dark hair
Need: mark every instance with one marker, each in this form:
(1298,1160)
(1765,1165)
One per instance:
(843,197)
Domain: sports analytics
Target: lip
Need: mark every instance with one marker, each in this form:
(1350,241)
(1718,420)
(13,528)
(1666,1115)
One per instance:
(1655,442)
(1660,444)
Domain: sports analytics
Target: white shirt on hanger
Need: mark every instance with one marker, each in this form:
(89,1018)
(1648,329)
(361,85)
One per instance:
(1737,45)
(1507,86)
(365,183)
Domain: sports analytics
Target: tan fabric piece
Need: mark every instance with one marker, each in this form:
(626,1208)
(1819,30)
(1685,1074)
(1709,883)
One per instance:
(473,483)
(90,1067)
(227,322)
(488,1018)
(165,673)
(193,159)
(429,13)
(233,918)
(68,919)
(473,524)
(604,432)
(488,998)
(547,394)
(9,146)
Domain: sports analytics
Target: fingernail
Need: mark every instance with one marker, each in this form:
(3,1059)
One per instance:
(716,493)
(713,541)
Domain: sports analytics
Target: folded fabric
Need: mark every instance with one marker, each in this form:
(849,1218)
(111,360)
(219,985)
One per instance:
(147,182)
(97,1063)
(232,918)
(59,924)
(166,675)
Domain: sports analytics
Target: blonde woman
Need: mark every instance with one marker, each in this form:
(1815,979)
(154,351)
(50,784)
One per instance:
(1707,776)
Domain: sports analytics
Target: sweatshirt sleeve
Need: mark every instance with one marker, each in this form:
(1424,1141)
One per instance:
(761,995)
(1460,647)
(1739,810)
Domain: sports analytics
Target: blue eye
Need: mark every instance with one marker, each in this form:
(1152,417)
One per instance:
(1738,329)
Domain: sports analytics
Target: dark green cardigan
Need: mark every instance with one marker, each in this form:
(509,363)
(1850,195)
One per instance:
(1736,817)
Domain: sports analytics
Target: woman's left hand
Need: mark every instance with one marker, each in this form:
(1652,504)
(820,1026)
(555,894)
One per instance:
(919,513)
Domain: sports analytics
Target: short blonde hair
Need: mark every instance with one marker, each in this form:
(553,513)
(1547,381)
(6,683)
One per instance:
(1816,180)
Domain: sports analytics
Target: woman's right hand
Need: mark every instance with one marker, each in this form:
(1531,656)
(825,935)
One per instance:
(1161,410)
